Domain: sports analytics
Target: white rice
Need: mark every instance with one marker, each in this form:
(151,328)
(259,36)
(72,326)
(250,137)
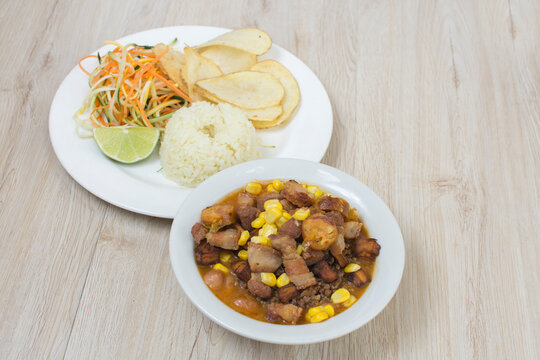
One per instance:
(203,139)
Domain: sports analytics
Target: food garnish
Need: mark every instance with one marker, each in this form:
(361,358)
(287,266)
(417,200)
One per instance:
(126,144)
(129,87)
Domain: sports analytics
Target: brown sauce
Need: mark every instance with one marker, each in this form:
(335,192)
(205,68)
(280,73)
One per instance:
(234,293)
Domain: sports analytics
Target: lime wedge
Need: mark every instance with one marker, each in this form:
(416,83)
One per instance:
(126,144)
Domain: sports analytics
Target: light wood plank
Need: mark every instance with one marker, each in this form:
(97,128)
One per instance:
(436,109)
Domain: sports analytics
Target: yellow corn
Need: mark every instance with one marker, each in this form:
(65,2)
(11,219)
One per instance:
(224,256)
(312,189)
(318,193)
(244,237)
(314,310)
(278,185)
(280,221)
(261,240)
(268,278)
(221,267)
(318,317)
(299,249)
(352,267)
(283,280)
(258,223)
(272,203)
(242,254)
(340,295)
(270,188)
(351,301)
(329,310)
(286,215)
(301,214)
(253,188)
(267,230)
(262,215)
(272,215)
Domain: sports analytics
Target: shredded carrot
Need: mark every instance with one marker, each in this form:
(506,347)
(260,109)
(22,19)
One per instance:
(148,123)
(171,86)
(143,54)
(126,87)
(84,58)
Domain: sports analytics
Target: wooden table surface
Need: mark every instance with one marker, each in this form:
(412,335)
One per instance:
(436,108)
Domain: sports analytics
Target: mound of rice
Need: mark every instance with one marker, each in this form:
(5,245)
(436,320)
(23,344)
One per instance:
(203,139)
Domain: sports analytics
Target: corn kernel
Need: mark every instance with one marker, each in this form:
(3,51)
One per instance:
(268,278)
(351,301)
(261,240)
(318,193)
(281,221)
(221,267)
(278,185)
(244,237)
(301,214)
(253,188)
(314,310)
(242,254)
(340,295)
(329,309)
(313,189)
(286,215)
(272,203)
(262,215)
(299,249)
(225,256)
(267,230)
(318,317)
(272,215)
(352,267)
(270,188)
(283,280)
(258,223)
(304,186)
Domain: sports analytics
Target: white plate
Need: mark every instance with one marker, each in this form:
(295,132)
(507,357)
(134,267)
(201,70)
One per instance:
(373,211)
(141,187)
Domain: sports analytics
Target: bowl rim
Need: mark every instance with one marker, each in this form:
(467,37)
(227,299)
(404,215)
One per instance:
(275,333)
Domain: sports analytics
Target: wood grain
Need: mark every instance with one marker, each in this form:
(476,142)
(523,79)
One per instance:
(436,108)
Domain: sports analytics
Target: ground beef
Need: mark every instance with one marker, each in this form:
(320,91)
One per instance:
(347,252)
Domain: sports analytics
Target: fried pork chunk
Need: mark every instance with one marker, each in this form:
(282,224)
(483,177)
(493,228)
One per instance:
(296,194)
(319,231)
(218,215)
(295,266)
(330,203)
(366,248)
(263,258)
(258,288)
(290,313)
(225,239)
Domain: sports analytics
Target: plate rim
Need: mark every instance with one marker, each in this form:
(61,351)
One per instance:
(87,185)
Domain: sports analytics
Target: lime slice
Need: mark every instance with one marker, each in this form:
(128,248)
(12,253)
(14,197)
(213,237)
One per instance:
(126,144)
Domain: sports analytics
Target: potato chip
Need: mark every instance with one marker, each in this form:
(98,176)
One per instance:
(292,92)
(229,59)
(267,114)
(197,68)
(253,41)
(244,89)
(171,63)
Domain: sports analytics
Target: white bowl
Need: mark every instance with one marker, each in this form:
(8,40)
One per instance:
(375,214)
